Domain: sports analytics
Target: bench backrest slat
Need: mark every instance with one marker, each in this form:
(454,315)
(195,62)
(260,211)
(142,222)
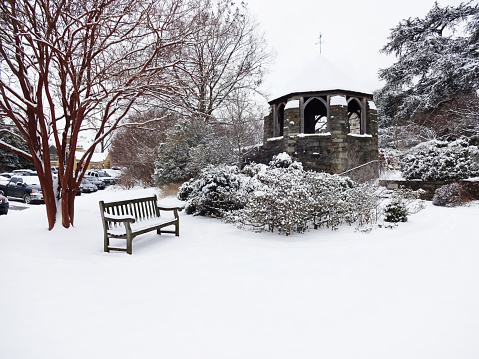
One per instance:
(140,208)
(147,209)
(135,210)
(149,206)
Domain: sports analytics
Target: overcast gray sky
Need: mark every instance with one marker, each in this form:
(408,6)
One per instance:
(352,32)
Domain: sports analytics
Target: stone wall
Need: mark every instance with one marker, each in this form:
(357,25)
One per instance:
(430,186)
(333,152)
(319,152)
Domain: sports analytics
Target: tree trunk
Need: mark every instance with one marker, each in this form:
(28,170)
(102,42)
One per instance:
(68,208)
(67,201)
(50,200)
(67,187)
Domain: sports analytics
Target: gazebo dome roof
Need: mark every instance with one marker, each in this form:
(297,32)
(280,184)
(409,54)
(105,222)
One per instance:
(317,74)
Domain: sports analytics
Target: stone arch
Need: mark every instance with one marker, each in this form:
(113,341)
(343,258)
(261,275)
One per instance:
(315,114)
(355,115)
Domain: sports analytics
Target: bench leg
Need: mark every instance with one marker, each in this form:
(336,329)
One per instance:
(129,245)
(106,244)
(176,232)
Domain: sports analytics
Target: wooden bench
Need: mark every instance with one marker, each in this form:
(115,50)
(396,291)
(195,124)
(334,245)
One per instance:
(130,218)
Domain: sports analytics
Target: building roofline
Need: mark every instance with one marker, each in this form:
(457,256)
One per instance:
(287,96)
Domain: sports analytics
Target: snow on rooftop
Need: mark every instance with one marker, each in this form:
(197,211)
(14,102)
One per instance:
(316,73)
(338,100)
(292,104)
(97,156)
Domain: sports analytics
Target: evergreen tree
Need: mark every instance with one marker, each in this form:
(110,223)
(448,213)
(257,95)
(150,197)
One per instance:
(8,159)
(437,60)
(190,146)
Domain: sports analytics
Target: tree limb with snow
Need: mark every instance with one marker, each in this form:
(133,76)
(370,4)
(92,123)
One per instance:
(437,60)
(69,66)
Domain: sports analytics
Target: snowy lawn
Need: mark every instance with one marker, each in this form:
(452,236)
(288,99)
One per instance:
(219,292)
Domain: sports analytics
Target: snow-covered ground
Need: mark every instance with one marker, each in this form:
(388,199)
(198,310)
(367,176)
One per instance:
(219,292)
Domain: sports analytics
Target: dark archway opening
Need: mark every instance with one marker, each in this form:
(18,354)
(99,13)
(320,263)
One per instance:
(280,119)
(315,117)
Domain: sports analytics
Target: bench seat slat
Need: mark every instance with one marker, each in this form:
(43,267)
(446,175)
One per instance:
(142,225)
(119,218)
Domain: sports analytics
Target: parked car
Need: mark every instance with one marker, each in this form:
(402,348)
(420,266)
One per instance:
(24,187)
(24,172)
(105,177)
(87,187)
(96,181)
(4,205)
(113,173)
(6,174)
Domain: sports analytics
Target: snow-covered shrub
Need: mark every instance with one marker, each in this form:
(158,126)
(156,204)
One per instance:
(364,205)
(283,199)
(451,195)
(329,199)
(292,200)
(403,202)
(280,202)
(283,160)
(217,190)
(441,161)
(395,211)
(253,169)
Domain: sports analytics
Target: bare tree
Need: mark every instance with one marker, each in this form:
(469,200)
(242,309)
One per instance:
(136,147)
(227,54)
(240,120)
(455,118)
(70,66)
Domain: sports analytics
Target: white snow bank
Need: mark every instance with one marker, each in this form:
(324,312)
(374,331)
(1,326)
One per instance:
(220,292)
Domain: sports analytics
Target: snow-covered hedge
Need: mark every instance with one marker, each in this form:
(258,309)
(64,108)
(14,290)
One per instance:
(217,190)
(281,196)
(395,211)
(441,161)
(451,195)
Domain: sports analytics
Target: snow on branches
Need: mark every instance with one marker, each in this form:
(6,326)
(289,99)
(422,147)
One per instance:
(437,60)
(280,197)
(441,161)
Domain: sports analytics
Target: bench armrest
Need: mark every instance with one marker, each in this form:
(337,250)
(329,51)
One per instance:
(119,218)
(167,208)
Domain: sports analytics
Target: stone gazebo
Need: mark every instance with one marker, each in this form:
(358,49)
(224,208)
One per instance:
(323,120)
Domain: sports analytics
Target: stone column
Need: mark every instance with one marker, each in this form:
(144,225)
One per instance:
(338,119)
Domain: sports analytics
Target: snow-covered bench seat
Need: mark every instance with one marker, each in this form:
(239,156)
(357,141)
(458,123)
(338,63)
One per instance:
(130,218)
